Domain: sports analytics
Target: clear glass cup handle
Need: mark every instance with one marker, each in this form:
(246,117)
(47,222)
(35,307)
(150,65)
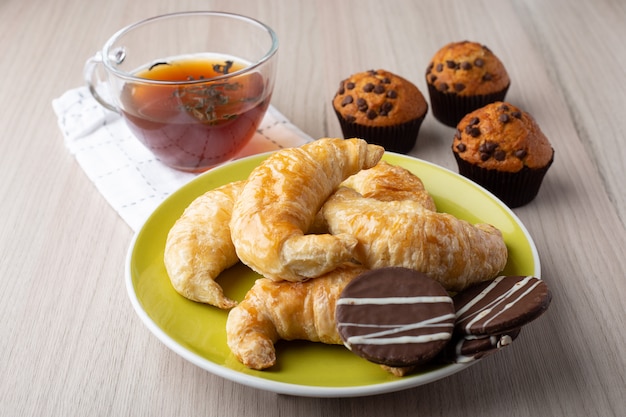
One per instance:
(90,75)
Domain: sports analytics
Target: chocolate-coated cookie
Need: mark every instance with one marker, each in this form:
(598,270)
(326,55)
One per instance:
(494,307)
(465,348)
(395,316)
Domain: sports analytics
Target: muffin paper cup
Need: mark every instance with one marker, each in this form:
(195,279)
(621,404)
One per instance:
(399,138)
(450,108)
(515,189)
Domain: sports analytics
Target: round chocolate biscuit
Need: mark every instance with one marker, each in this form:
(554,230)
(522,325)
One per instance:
(507,302)
(395,316)
(466,348)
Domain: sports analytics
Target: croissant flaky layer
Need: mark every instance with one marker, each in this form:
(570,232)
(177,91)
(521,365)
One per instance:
(279,202)
(404,233)
(198,247)
(386,182)
(274,310)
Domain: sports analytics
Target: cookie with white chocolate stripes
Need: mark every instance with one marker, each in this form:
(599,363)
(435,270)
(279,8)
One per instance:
(395,316)
(495,307)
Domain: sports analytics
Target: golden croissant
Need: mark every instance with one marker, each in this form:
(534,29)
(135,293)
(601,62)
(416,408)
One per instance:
(404,233)
(279,202)
(274,310)
(386,182)
(199,247)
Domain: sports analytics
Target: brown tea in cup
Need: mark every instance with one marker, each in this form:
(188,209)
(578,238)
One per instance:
(202,123)
(193,87)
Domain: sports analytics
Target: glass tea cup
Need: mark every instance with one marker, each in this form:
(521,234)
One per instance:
(193,87)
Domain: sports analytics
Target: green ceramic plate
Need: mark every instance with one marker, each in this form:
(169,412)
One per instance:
(197,332)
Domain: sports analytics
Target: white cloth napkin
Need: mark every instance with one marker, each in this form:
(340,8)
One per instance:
(129,177)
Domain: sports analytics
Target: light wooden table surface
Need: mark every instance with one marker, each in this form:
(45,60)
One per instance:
(72,345)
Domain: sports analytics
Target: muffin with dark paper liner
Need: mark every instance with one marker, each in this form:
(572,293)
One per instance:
(382,108)
(462,77)
(503,149)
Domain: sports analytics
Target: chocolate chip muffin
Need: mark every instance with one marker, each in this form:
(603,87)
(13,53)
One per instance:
(462,77)
(382,108)
(503,149)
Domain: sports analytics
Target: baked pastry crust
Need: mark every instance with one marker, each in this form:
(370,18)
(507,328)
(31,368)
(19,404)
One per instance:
(386,182)
(404,233)
(280,200)
(274,310)
(198,247)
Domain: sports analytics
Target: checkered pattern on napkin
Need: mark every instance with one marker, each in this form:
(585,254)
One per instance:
(129,177)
